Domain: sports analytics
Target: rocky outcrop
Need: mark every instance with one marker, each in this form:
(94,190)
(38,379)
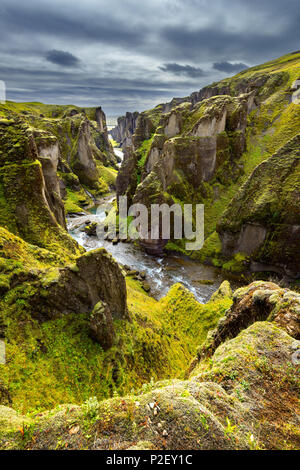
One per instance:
(224,405)
(32,206)
(260,301)
(188,150)
(49,156)
(83,161)
(259,86)
(263,218)
(94,277)
(101,325)
(125,128)
(75,146)
(200,146)
(223,291)
(127,176)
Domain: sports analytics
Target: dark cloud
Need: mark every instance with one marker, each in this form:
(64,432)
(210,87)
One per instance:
(87,26)
(228,67)
(132,53)
(186,70)
(66,59)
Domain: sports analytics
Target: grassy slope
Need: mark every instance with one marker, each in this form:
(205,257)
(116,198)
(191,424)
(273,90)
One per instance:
(57,362)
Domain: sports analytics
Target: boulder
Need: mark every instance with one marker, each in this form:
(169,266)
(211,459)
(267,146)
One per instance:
(101,328)
(77,288)
(260,301)
(223,291)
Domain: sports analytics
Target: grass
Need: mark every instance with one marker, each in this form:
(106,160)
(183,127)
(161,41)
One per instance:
(56,362)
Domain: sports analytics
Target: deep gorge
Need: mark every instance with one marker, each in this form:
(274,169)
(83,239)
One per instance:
(109,347)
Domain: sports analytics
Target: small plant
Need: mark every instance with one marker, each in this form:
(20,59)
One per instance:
(240,397)
(148,387)
(91,407)
(204,421)
(253,445)
(230,428)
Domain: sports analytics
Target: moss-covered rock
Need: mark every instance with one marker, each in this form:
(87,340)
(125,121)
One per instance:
(223,406)
(256,302)
(223,291)
(263,218)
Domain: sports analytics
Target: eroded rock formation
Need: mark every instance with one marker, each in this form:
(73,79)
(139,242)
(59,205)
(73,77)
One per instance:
(125,129)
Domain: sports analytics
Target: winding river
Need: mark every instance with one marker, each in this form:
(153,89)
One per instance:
(161,273)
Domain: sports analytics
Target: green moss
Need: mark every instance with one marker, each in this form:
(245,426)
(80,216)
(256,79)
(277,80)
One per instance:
(56,361)
(237,264)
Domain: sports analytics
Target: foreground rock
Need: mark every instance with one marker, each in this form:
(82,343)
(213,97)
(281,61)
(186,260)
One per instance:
(226,405)
(245,397)
(256,302)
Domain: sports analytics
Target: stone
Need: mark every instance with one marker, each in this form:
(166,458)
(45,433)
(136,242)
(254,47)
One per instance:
(101,328)
(146,286)
(223,291)
(260,301)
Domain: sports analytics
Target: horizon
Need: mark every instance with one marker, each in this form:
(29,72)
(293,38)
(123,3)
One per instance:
(132,57)
(111,119)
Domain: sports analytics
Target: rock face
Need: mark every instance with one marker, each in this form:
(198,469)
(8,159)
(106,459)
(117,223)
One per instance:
(94,277)
(101,326)
(127,176)
(83,162)
(125,129)
(257,302)
(49,156)
(77,158)
(32,201)
(184,153)
(263,218)
(201,148)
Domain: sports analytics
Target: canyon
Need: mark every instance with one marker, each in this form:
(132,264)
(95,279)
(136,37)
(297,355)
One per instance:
(147,346)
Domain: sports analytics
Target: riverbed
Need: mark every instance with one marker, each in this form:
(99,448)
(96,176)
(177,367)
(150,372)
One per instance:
(161,273)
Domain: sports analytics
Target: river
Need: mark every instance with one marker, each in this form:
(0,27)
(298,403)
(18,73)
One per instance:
(161,273)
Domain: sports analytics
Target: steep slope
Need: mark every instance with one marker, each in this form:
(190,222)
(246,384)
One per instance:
(73,141)
(125,129)
(244,397)
(262,220)
(204,149)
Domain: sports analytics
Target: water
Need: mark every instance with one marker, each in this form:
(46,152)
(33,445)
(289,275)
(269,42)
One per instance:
(118,152)
(161,273)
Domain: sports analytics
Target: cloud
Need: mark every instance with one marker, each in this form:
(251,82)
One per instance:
(135,54)
(187,70)
(66,59)
(228,67)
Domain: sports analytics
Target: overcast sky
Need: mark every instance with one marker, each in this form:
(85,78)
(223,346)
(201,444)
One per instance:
(130,55)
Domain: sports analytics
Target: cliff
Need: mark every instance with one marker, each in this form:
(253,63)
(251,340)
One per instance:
(125,129)
(71,142)
(203,150)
